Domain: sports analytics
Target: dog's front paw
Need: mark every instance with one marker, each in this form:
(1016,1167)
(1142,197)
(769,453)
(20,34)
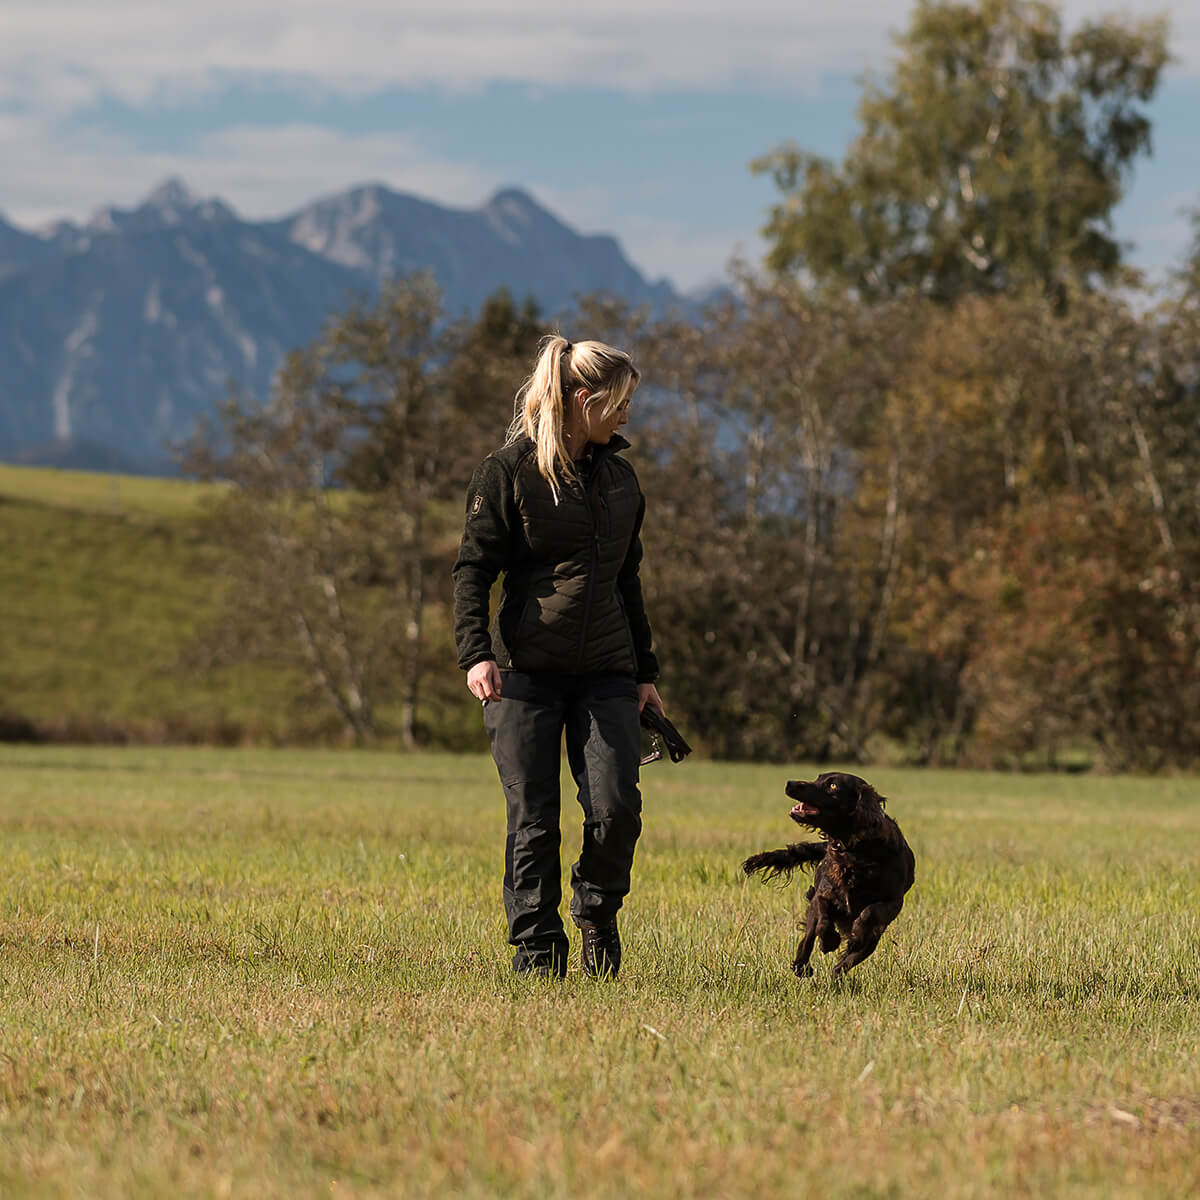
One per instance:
(802,970)
(757,862)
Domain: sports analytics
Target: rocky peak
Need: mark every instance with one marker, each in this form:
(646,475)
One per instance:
(514,209)
(173,195)
(170,204)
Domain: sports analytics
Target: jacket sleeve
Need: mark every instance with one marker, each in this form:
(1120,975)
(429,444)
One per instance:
(485,551)
(630,582)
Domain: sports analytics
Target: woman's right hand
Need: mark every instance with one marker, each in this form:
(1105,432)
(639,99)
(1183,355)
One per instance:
(484,680)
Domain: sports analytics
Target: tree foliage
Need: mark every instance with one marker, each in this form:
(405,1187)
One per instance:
(962,532)
(990,159)
(956,534)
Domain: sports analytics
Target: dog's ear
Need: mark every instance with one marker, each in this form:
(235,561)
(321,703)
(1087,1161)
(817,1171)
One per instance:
(870,802)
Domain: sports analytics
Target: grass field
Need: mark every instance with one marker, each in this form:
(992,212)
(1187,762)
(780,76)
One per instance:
(270,973)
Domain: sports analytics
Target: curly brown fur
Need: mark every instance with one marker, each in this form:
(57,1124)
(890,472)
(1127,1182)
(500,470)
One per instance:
(863,867)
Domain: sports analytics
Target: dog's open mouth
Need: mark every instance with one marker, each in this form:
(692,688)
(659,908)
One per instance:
(800,810)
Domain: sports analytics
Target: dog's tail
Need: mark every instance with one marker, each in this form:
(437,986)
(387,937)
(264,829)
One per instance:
(779,864)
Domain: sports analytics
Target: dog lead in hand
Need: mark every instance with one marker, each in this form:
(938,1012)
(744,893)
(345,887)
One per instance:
(662,731)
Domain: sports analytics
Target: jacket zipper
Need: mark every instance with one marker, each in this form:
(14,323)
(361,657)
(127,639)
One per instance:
(595,562)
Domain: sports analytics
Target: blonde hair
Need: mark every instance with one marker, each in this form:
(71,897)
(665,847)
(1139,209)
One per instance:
(562,368)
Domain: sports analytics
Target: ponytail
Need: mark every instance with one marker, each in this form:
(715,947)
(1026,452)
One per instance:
(539,411)
(562,367)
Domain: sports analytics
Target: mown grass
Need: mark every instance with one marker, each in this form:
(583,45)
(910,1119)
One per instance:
(281,973)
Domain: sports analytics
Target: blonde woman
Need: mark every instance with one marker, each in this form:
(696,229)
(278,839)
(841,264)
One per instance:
(558,512)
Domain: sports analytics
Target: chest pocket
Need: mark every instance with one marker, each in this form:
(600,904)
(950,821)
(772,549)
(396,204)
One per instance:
(564,531)
(618,505)
(555,532)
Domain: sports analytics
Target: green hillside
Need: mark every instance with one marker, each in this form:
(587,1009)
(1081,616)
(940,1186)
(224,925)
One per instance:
(98,492)
(107,580)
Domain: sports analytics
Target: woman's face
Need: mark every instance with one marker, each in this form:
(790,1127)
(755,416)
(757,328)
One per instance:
(601,428)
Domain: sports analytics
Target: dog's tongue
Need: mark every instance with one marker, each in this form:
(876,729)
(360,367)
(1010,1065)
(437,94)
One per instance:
(800,809)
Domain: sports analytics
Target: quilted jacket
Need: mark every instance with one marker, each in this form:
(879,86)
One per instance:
(571,601)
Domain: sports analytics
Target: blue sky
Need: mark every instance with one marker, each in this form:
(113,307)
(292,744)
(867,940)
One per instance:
(637,119)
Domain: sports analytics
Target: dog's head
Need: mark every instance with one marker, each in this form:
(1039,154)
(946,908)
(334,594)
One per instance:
(838,805)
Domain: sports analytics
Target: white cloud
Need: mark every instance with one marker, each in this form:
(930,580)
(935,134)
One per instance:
(138,48)
(269,172)
(260,172)
(132,46)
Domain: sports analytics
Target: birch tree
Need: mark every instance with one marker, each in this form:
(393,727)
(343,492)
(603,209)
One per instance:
(990,158)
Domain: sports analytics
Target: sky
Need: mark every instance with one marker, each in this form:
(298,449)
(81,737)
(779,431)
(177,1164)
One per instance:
(632,117)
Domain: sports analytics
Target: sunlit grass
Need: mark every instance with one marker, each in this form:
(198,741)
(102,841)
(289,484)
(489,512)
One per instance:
(278,973)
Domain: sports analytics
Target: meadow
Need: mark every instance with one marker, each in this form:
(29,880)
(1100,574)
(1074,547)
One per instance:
(277,973)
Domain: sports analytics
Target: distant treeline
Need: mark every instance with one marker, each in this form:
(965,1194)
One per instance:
(939,534)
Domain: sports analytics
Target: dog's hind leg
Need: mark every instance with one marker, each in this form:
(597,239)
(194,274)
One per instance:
(829,937)
(865,933)
(812,923)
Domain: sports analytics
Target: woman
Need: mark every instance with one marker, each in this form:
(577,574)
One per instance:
(559,512)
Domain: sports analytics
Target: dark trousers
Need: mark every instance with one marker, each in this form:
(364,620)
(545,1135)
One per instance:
(599,715)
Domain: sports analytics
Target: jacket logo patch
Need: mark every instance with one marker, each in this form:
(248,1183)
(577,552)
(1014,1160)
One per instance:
(476,505)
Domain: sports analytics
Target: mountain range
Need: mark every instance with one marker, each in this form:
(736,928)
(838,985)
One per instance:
(116,334)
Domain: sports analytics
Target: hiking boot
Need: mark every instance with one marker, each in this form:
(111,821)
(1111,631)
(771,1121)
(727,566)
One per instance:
(548,964)
(600,954)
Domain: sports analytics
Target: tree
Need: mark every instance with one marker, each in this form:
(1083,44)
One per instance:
(296,554)
(1072,611)
(1188,276)
(809,377)
(346,491)
(990,160)
(769,576)
(1045,463)
(389,356)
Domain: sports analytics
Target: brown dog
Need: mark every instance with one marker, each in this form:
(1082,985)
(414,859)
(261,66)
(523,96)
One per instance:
(864,867)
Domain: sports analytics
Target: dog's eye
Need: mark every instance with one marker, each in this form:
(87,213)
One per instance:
(832,787)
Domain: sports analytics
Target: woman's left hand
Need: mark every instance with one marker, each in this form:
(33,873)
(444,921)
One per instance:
(648,694)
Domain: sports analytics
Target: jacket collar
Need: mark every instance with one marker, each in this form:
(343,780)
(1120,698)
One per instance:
(614,445)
